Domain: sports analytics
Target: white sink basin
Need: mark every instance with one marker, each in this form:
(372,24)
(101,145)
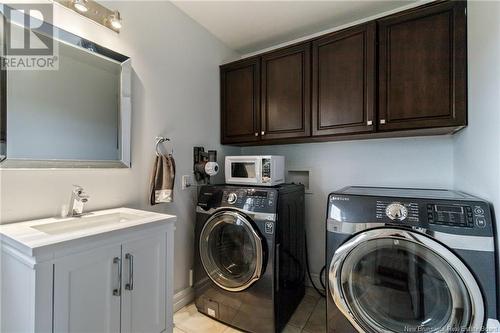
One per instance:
(83,223)
(37,237)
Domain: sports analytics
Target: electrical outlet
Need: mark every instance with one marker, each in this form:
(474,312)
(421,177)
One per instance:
(190,277)
(186,181)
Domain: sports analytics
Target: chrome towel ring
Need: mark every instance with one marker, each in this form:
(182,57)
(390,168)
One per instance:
(161,139)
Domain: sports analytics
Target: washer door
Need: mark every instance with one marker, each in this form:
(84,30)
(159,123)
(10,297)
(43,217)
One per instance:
(231,251)
(392,280)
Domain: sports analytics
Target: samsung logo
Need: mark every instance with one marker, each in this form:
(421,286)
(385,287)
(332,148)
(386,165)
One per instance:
(339,199)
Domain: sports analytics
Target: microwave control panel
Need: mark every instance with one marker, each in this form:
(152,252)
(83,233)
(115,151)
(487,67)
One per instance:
(266,170)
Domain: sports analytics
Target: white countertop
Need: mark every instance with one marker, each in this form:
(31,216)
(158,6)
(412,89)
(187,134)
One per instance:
(26,239)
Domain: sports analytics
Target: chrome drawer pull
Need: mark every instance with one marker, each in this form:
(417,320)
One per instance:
(130,284)
(118,291)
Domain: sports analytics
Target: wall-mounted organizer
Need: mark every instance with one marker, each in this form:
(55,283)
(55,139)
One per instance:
(205,164)
(300,176)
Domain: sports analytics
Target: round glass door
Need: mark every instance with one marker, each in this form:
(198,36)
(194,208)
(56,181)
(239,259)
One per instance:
(231,251)
(393,282)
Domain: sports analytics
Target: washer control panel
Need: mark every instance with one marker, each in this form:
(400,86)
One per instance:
(250,199)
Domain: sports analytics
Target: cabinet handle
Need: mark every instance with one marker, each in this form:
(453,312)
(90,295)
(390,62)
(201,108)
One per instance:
(256,133)
(262,133)
(369,123)
(118,291)
(382,121)
(130,284)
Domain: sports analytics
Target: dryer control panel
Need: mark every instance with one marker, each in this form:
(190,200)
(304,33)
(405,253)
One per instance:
(450,214)
(444,213)
(457,215)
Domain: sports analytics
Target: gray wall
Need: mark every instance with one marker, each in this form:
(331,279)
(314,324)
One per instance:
(411,162)
(477,148)
(175,93)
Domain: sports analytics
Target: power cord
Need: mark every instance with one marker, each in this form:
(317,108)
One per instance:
(322,277)
(320,292)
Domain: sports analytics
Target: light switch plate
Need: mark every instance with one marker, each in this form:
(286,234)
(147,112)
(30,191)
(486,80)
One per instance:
(186,181)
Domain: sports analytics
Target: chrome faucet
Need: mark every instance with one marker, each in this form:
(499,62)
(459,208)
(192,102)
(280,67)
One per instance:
(78,199)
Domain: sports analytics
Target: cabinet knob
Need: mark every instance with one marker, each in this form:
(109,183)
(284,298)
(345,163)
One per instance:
(382,121)
(256,134)
(369,123)
(262,133)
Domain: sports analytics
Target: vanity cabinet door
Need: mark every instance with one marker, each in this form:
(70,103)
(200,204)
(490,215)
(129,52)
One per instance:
(144,285)
(87,292)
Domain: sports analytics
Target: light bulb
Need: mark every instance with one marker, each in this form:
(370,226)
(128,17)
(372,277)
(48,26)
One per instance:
(80,5)
(116,20)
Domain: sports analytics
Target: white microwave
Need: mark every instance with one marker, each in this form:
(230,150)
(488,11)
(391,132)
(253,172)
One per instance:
(261,170)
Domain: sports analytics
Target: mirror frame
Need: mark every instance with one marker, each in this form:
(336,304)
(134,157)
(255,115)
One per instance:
(125,107)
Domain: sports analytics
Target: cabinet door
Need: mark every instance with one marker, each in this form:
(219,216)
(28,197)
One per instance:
(84,296)
(344,81)
(240,98)
(422,68)
(286,93)
(144,285)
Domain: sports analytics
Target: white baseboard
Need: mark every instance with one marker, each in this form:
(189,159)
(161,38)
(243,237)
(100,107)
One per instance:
(183,298)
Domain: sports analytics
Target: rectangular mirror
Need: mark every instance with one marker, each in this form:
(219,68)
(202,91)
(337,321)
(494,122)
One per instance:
(74,114)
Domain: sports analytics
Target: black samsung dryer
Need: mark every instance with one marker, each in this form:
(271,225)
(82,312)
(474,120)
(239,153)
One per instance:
(410,260)
(249,269)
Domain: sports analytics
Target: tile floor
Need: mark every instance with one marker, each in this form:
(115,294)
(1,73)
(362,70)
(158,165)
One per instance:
(310,317)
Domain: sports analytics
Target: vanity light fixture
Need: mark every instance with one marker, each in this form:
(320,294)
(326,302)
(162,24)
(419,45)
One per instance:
(80,5)
(115,20)
(96,12)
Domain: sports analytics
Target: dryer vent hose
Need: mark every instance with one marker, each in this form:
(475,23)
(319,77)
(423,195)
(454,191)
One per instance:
(319,291)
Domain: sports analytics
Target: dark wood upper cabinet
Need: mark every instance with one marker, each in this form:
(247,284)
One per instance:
(402,75)
(422,68)
(285,107)
(240,96)
(343,76)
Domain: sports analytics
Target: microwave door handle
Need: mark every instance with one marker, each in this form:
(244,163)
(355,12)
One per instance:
(259,173)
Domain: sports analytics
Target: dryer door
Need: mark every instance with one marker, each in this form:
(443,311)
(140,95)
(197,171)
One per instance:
(231,251)
(394,280)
